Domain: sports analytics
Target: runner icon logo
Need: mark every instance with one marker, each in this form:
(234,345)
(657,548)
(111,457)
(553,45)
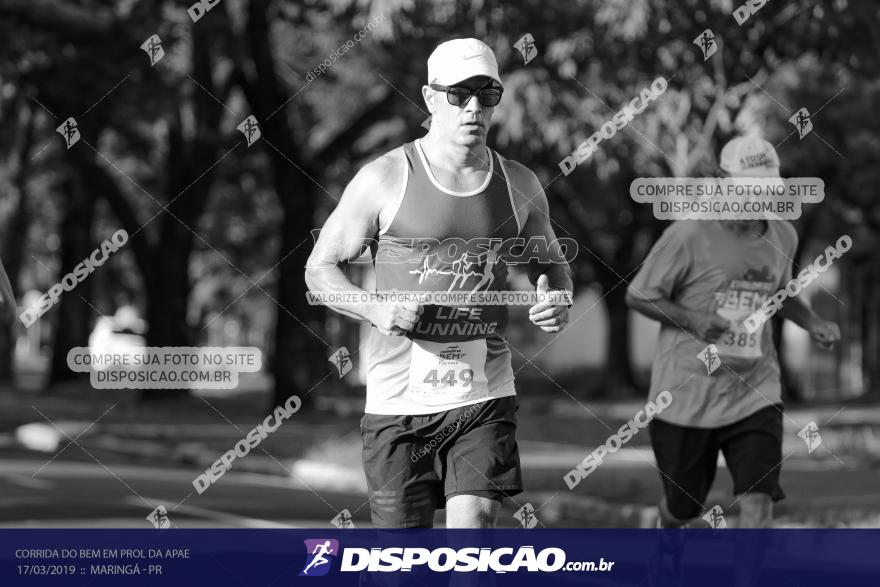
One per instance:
(709,356)
(153,48)
(526,516)
(801,121)
(341,359)
(320,553)
(343,520)
(810,435)
(525,46)
(250,129)
(706,42)
(715,518)
(70,131)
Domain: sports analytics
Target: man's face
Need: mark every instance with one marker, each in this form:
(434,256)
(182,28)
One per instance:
(742,225)
(466,124)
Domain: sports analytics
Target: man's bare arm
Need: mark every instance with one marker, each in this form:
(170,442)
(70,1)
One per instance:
(532,202)
(706,326)
(552,273)
(797,311)
(825,332)
(347,234)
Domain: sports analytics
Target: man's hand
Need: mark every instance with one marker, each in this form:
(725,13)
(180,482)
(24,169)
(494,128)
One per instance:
(707,326)
(396,319)
(824,332)
(548,315)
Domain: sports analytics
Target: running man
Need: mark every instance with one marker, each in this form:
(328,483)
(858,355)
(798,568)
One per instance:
(440,422)
(700,280)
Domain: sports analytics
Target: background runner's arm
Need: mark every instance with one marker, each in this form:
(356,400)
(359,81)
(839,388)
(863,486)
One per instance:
(707,326)
(797,311)
(822,331)
(665,271)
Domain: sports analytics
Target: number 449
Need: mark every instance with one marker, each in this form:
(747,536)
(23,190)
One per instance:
(465,375)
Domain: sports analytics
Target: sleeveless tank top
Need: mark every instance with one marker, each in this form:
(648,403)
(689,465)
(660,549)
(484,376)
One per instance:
(440,240)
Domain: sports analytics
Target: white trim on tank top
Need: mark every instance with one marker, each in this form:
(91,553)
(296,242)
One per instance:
(510,193)
(436,183)
(399,196)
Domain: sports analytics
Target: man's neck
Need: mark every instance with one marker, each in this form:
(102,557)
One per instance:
(455,158)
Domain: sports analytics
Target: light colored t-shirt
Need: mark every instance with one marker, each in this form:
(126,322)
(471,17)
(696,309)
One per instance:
(698,264)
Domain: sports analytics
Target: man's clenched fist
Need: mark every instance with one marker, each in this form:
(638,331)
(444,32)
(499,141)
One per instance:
(396,319)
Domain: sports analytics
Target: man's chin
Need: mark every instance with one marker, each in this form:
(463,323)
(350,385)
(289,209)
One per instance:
(472,137)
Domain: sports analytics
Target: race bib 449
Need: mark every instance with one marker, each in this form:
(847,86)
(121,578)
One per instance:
(449,371)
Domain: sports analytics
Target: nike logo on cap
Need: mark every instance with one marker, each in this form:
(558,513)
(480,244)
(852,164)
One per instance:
(475,50)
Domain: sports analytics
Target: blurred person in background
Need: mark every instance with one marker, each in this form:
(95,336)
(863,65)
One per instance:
(701,280)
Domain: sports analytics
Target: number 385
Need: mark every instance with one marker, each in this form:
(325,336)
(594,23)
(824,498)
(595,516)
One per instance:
(740,339)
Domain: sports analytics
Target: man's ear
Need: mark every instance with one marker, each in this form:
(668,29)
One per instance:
(429,96)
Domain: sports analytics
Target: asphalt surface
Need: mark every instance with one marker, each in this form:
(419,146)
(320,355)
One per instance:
(76,490)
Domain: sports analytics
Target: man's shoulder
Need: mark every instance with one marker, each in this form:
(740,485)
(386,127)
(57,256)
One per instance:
(687,231)
(787,233)
(516,171)
(525,185)
(387,166)
(381,178)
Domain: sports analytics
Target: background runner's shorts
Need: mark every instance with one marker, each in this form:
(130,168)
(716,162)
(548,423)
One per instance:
(687,458)
(414,463)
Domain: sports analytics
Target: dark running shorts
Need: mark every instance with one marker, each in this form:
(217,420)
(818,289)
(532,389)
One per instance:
(414,463)
(687,459)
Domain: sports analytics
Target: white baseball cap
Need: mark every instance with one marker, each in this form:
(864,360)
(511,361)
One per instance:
(460,59)
(749,156)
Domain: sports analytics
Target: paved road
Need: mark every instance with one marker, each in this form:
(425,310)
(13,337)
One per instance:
(106,489)
(75,490)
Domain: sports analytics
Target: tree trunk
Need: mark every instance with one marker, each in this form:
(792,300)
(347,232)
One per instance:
(14,240)
(619,380)
(189,169)
(300,358)
(13,250)
(72,318)
(871,330)
(300,352)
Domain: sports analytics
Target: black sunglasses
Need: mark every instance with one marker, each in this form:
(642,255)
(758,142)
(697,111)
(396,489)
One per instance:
(459,96)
